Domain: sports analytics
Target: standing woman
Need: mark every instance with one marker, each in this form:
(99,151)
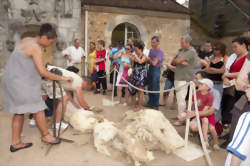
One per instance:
(230,95)
(139,74)
(125,64)
(92,57)
(21,85)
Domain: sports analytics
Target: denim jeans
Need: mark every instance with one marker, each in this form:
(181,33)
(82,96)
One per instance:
(154,74)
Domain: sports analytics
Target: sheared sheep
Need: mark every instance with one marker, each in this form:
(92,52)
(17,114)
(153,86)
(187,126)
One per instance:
(104,133)
(138,134)
(153,122)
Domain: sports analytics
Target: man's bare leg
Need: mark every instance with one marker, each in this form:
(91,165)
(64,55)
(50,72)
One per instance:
(164,99)
(140,99)
(17,127)
(41,124)
(59,111)
(127,95)
(133,102)
(193,125)
(205,130)
(119,93)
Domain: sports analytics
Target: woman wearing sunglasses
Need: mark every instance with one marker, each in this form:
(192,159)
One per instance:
(125,64)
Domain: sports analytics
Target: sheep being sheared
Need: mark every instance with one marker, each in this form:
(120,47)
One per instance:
(83,121)
(80,119)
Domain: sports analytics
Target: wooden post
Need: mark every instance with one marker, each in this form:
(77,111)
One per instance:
(189,109)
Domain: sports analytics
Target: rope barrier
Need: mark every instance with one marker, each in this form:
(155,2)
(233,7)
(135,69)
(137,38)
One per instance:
(148,91)
(191,93)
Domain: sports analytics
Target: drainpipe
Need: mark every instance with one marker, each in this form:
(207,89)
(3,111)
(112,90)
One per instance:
(126,34)
(86,40)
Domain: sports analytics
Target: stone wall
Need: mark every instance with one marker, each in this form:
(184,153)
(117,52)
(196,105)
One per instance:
(170,29)
(199,37)
(4,5)
(19,17)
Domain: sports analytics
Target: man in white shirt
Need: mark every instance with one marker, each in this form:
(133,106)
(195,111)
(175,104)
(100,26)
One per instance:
(75,55)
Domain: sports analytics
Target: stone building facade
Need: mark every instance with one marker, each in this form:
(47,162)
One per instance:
(104,18)
(22,18)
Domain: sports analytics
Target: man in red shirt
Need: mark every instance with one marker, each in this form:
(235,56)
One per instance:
(100,67)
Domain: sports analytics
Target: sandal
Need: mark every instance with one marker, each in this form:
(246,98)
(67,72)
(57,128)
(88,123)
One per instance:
(57,140)
(13,149)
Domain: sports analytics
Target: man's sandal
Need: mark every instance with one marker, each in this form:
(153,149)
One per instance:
(13,149)
(57,140)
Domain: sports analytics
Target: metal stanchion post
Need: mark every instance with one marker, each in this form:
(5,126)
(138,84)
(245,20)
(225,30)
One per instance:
(113,90)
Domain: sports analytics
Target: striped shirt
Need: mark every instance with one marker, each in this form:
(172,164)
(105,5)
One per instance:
(240,144)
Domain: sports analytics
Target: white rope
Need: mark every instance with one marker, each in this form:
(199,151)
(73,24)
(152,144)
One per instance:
(161,91)
(199,128)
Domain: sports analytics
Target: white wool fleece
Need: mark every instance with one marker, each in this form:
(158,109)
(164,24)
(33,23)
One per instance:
(103,133)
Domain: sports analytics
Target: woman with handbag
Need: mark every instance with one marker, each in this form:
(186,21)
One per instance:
(169,75)
(233,67)
(125,64)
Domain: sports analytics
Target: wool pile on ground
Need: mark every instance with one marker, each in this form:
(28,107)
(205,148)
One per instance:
(138,135)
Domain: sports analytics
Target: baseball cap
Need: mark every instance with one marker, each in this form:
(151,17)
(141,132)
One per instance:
(208,82)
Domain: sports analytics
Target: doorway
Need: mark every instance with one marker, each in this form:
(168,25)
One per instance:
(123,32)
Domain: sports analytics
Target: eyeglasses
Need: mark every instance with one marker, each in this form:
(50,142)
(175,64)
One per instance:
(217,49)
(127,48)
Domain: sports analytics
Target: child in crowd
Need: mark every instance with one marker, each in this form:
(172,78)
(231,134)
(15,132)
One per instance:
(100,67)
(205,101)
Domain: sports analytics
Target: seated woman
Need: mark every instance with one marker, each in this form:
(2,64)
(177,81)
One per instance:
(138,77)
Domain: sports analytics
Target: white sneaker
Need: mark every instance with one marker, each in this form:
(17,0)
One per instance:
(178,123)
(63,126)
(32,123)
(124,104)
(117,102)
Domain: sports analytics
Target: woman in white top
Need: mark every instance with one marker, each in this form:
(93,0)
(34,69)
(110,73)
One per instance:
(125,64)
